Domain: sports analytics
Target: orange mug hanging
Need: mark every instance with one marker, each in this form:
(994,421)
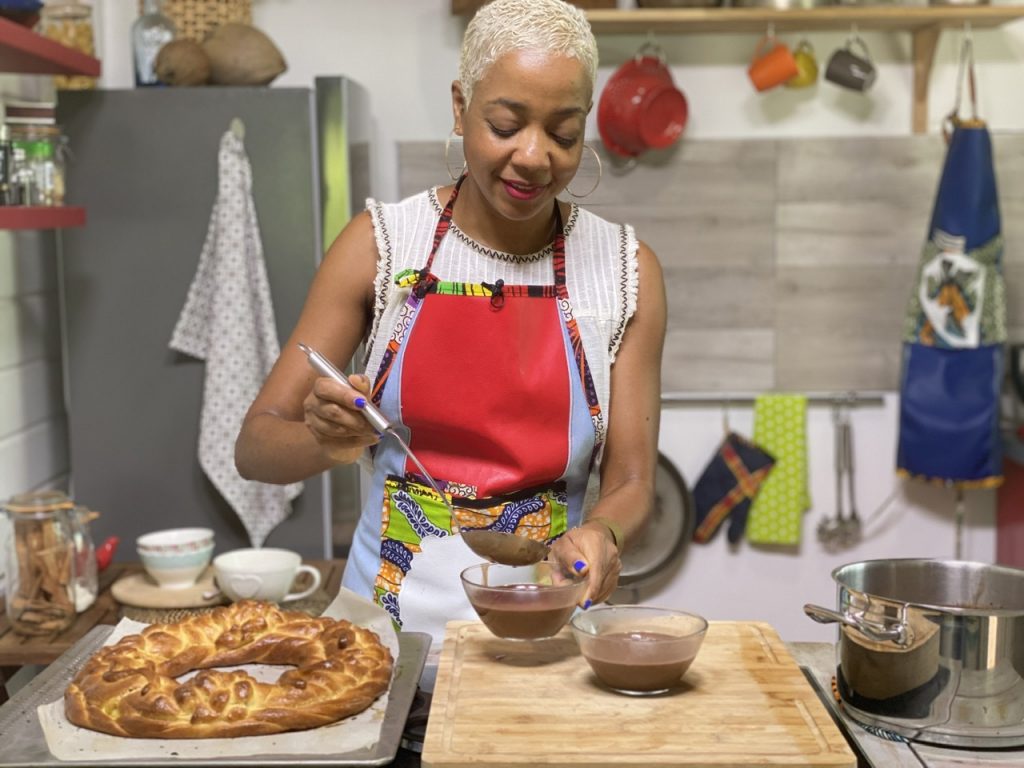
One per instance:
(773,64)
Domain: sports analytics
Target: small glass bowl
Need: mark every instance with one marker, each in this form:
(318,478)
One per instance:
(523,602)
(636,649)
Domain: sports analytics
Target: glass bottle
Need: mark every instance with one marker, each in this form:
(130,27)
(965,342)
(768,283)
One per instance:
(44,166)
(6,159)
(23,178)
(37,165)
(69,22)
(150,32)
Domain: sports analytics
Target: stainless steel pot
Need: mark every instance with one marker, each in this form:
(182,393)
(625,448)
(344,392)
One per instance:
(931,649)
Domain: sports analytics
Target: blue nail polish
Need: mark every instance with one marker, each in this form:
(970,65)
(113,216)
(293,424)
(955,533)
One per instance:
(587,603)
(579,565)
(360,402)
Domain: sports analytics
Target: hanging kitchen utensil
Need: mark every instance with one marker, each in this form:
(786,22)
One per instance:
(848,68)
(830,529)
(806,66)
(780,427)
(640,107)
(844,528)
(727,487)
(772,63)
(955,325)
(852,526)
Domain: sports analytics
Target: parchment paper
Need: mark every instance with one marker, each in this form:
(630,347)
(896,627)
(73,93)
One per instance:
(69,742)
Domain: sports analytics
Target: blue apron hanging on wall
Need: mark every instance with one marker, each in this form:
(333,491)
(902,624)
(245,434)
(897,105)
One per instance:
(955,328)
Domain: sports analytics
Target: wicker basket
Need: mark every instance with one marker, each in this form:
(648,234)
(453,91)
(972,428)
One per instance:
(195,19)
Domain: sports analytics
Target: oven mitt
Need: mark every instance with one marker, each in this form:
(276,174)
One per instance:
(727,486)
(780,426)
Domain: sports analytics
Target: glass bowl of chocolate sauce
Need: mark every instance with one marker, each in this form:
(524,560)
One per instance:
(639,649)
(523,602)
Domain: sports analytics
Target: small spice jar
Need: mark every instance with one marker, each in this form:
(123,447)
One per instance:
(47,564)
(37,165)
(69,22)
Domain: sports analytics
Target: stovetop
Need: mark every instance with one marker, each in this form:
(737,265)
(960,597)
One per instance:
(880,749)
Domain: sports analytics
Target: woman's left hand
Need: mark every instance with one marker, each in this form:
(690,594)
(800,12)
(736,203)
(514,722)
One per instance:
(590,551)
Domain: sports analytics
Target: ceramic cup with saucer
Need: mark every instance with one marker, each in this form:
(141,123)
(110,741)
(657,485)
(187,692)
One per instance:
(262,574)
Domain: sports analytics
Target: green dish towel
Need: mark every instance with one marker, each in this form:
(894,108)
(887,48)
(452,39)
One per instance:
(780,428)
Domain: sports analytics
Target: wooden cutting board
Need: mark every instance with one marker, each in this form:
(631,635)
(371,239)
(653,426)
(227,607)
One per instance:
(743,702)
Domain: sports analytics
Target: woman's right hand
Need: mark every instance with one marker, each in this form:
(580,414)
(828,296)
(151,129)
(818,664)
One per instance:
(333,414)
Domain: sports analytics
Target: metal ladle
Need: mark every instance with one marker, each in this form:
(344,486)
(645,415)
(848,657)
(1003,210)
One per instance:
(504,548)
(852,526)
(830,529)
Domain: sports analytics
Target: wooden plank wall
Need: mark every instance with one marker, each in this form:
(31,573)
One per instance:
(788,263)
(33,426)
(33,431)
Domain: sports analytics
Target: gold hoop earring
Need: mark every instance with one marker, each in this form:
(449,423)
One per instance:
(600,173)
(447,166)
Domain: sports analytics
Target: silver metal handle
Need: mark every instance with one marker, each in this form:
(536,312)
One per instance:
(325,367)
(879,633)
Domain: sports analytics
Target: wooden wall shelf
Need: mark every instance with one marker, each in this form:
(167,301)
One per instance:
(883,17)
(924,23)
(24,52)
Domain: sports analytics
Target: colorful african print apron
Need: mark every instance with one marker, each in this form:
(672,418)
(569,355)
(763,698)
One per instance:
(492,384)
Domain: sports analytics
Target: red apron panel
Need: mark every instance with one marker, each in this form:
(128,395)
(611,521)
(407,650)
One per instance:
(485,391)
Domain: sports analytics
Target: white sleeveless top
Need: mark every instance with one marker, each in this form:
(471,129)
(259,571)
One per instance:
(601,277)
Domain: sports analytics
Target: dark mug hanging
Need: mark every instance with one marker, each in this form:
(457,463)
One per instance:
(850,70)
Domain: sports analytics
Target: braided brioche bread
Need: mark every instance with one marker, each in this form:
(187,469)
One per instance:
(129,688)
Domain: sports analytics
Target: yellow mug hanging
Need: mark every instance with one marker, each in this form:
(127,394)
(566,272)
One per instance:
(806,66)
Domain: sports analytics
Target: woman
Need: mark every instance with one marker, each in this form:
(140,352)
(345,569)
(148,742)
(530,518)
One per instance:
(516,336)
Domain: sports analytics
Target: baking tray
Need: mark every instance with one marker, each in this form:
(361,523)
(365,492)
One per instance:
(25,747)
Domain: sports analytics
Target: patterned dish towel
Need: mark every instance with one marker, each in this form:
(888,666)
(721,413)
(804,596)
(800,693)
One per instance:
(228,321)
(780,427)
(727,486)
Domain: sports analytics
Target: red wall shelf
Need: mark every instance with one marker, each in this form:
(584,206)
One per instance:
(24,52)
(41,217)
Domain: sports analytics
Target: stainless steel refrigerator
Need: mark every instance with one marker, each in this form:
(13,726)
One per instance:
(144,164)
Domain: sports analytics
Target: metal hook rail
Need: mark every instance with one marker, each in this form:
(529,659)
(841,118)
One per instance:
(672,399)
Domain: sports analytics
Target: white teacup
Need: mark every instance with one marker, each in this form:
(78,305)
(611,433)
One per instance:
(262,574)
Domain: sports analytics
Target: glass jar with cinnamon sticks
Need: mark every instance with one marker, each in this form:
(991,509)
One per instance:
(42,567)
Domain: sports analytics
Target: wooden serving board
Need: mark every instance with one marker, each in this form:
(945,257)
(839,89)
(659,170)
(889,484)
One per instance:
(743,702)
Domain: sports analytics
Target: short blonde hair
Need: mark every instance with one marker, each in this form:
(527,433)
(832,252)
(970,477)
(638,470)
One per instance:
(503,26)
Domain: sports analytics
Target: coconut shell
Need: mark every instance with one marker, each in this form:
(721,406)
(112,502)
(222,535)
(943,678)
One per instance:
(240,54)
(182,62)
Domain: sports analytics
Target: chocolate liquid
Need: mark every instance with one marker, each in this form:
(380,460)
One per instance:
(634,661)
(524,611)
